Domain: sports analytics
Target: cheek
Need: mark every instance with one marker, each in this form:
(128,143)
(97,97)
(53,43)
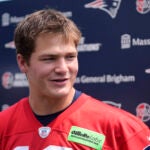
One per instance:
(75,68)
(38,71)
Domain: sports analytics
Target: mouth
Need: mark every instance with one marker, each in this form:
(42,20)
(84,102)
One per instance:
(60,81)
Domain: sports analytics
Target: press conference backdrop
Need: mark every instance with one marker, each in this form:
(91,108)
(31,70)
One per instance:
(114,52)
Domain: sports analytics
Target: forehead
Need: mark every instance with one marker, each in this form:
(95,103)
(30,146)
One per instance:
(53,39)
(53,43)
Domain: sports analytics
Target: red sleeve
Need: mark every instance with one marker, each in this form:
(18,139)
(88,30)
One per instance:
(138,141)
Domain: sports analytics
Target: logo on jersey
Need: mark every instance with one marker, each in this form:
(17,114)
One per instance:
(143,6)
(50,147)
(109,6)
(86,137)
(44,132)
(143,112)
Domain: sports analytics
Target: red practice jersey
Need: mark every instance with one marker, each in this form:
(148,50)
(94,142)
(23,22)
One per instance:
(87,124)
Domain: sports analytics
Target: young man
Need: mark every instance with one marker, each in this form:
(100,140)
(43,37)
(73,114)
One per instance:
(55,116)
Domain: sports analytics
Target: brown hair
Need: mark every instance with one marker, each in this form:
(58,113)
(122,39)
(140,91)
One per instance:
(43,21)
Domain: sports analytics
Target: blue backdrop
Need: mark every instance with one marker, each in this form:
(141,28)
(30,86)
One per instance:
(114,52)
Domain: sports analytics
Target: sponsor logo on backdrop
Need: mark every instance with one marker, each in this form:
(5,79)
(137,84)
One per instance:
(118,105)
(4,106)
(82,47)
(109,6)
(147,71)
(143,6)
(88,47)
(10,80)
(127,41)
(4,0)
(10,45)
(7,19)
(108,78)
(143,112)
(7,80)
(67,14)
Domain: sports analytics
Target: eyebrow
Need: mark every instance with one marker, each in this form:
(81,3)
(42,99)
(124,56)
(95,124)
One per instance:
(55,55)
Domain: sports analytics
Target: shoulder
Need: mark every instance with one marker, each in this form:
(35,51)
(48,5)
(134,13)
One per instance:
(116,124)
(112,117)
(11,112)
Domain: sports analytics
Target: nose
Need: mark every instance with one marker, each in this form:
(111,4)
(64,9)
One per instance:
(61,66)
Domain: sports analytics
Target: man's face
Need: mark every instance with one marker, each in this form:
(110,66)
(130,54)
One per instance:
(52,68)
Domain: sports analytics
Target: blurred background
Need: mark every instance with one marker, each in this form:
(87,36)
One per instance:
(114,51)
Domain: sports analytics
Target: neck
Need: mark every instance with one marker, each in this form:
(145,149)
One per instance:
(45,105)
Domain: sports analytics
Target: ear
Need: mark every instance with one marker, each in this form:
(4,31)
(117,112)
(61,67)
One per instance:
(22,63)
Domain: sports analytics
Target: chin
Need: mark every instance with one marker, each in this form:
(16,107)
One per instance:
(63,92)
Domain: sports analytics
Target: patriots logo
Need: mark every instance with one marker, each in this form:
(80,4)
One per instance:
(109,6)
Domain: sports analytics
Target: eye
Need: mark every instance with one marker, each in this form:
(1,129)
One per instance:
(47,59)
(71,57)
